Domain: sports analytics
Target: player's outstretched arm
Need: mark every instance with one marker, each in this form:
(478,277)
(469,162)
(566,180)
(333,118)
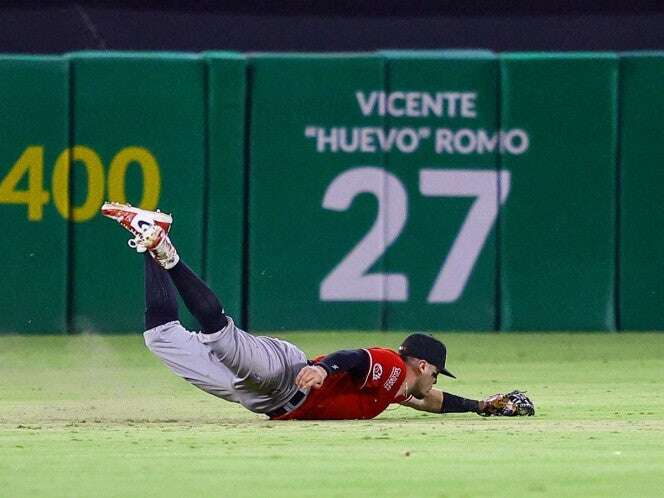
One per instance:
(437,401)
(515,403)
(430,403)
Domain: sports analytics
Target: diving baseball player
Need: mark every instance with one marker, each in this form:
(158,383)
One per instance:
(272,376)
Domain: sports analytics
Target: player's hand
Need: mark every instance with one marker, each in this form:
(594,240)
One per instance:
(512,404)
(311,376)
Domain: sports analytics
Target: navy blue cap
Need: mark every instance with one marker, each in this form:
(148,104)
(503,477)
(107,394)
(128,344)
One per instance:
(428,348)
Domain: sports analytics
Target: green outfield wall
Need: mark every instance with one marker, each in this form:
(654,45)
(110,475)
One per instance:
(400,190)
(316,186)
(641,173)
(446,249)
(557,255)
(34,126)
(224,189)
(139,121)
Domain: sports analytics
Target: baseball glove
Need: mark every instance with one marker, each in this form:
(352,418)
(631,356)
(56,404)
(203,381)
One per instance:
(512,404)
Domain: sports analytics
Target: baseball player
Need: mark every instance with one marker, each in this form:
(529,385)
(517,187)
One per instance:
(272,376)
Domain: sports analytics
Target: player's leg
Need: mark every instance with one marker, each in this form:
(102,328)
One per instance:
(176,347)
(258,372)
(264,368)
(261,364)
(188,358)
(161,305)
(150,230)
(198,298)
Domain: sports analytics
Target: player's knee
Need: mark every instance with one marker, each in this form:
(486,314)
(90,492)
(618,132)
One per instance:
(212,318)
(158,338)
(151,339)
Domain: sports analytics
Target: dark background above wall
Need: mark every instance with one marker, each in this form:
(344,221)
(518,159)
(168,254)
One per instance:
(60,26)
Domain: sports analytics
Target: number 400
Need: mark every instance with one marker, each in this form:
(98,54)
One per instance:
(349,280)
(31,163)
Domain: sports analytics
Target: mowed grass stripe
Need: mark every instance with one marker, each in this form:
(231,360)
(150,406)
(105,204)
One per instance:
(99,416)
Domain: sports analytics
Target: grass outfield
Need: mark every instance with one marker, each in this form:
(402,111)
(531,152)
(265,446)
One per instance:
(98,416)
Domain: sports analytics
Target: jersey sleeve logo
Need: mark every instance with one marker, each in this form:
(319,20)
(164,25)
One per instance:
(394,376)
(377,371)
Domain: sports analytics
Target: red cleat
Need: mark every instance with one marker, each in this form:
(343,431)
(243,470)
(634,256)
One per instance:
(135,219)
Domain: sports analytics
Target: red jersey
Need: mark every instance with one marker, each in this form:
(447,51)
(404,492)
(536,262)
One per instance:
(343,397)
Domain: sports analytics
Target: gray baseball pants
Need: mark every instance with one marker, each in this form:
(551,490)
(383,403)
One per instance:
(223,360)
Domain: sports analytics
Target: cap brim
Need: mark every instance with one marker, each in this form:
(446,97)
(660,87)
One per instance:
(445,371)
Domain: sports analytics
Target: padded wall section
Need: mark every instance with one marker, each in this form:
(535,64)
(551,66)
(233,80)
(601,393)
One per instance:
(139,120)
(225,186)
(317,193)
(34,110)
(442,112)
(558,226)
(642,190)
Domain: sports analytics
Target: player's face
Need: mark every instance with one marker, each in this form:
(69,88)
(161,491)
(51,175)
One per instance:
(427,378)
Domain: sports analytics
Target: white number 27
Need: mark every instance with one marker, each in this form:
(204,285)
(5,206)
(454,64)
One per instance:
(349,280)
